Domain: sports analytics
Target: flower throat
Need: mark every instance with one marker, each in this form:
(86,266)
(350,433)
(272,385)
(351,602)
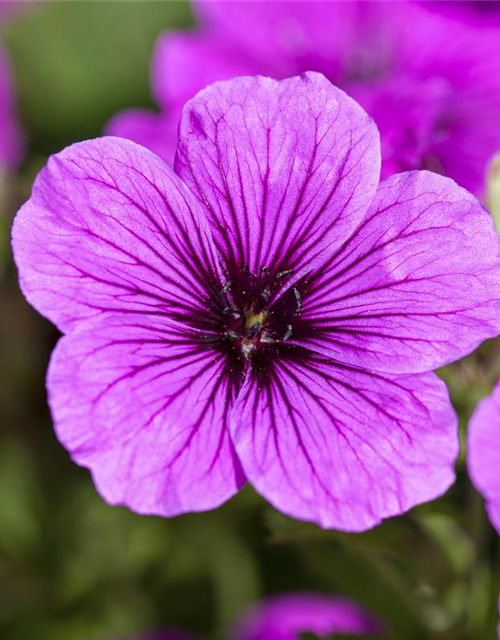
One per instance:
(253,318)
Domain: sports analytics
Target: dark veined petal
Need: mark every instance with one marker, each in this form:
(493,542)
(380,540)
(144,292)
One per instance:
(483,453)
(285,617)
(109,227)
(143,404)
(286,170)
(416,286)
(342,447)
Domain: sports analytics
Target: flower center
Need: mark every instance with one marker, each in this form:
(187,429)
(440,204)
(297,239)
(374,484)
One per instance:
(253,317)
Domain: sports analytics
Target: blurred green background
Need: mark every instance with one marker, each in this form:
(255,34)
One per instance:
(73,568)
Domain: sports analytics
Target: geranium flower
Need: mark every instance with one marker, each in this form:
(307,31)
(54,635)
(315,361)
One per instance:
(284,617)
(11,138)
(483,454)
(171,634)
(263,314)
(430,83)
(166,635)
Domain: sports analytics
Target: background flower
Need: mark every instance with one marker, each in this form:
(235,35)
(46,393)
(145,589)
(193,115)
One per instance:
(286,617)
(11,139)
(429,82)
(484,453)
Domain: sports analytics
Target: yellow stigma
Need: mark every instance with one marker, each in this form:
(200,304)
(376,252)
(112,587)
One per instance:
(253,320)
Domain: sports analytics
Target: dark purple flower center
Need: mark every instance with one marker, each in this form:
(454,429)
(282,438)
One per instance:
(252,319)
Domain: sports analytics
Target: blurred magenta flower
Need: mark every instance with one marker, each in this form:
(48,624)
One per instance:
(284,617)
(431,84)
(269,313)
(483,449)
(11,138)
(168,635)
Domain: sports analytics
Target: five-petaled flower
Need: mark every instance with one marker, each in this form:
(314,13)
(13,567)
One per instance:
(431,83)
(269,312)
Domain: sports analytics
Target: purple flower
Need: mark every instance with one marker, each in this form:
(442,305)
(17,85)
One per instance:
(284,617)
(11,139)
(269,313)
(483,453)
(172,634)
(431,84)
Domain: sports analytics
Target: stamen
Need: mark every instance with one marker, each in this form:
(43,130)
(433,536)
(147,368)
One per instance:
(288,332)
(229,311)
(266,294)
(283,274)
(247,348)
(226,287)
(264,270)
(298,301)
(246,270)
(233,335)
(254,330)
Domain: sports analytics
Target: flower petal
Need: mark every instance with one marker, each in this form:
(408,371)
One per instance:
(483,453)
(157,132)
(342,447)
(287,38)
(286,170)
(286,616)
(467,59)
(143,404)
(416,286)
(109,227)
(444,119)
(177,74)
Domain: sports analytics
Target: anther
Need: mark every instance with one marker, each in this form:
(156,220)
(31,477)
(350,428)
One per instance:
(264,270)
(226,287)
(283,274)
(246,270)
(288,332)
(266,294)
(232,335)
(229,311)
(298,301)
